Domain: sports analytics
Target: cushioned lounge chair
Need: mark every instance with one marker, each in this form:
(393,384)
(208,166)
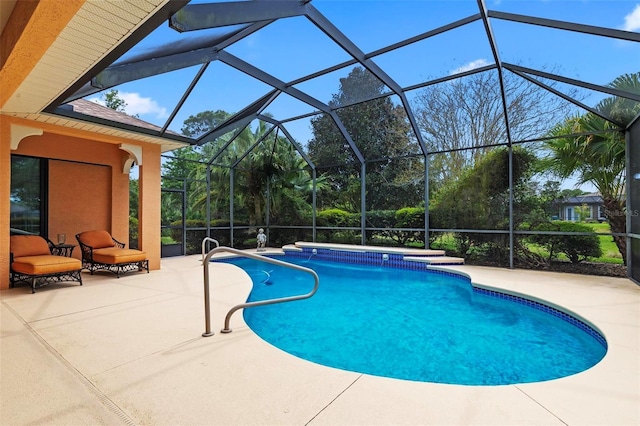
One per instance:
(33,262)
(100,251)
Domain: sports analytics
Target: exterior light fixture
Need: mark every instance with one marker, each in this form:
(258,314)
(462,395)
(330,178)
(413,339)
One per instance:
(636,176)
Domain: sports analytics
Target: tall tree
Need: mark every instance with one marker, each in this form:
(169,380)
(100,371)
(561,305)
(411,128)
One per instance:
(199,124)
(191,163)
(479,199)
(273,160)
(381,132)
(468,113)
(113,100)
(598,156)
(276,163)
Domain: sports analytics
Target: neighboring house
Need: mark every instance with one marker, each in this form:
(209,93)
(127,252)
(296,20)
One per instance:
(569,208)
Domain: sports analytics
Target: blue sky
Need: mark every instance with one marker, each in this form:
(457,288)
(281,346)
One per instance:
(294,47)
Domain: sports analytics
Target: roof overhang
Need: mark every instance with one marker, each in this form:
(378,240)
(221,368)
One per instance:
(84,44)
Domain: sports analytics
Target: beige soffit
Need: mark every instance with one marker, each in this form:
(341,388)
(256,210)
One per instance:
(97,28)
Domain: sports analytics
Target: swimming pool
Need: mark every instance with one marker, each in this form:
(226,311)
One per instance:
(416,325)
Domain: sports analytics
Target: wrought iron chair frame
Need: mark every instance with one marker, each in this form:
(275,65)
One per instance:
(40,280)
(117,268)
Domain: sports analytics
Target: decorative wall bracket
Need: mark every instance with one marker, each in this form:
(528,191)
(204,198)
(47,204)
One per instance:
(19,132)
(135,156)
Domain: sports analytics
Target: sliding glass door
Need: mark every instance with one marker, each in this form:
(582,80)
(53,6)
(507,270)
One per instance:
(28,195)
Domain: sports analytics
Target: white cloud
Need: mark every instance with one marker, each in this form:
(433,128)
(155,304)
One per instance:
(470,66)
(141,106)
(137,105)
(632,20)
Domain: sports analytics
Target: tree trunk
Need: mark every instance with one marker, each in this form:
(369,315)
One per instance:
(615,214)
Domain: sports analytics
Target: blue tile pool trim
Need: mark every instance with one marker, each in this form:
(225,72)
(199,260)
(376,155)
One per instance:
(548,309)
(362,258)
(397,261)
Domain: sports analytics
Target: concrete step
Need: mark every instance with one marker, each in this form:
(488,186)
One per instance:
(439,260)
(371,249)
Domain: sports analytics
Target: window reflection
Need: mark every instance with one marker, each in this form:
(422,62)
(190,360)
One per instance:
(26,195)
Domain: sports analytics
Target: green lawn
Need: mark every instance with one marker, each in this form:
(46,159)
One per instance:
(610,253)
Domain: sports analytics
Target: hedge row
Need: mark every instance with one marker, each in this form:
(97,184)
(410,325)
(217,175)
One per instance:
(408,217)
(577,248)
(388,221)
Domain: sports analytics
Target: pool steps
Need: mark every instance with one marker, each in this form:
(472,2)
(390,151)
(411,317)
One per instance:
(428,256)
(436,260)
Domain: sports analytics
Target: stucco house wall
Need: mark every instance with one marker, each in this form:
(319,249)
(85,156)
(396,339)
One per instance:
(87,189)
(88,185)
(88,170)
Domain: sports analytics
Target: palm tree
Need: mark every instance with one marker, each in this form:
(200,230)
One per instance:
(291,185)
(219,173)
(598,155)
(273,160)
(277,163)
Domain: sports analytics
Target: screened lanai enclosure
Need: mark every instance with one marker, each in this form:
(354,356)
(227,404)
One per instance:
(504,132)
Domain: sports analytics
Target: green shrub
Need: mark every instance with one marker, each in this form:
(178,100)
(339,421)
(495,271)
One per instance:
(479,199)
(345,237)
(410,217)
(133,232)
(576,247)
(380,218)
(334,217)
(220,223)
(195,236)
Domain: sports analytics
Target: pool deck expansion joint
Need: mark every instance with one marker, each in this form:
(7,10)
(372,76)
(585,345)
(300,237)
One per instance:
(334,399)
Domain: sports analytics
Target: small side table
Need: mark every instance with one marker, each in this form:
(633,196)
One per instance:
(63,249)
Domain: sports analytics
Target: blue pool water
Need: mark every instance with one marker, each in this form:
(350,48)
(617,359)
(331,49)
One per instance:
(414,325)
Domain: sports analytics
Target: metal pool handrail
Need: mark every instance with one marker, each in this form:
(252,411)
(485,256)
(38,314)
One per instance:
(203,243)
(207,305)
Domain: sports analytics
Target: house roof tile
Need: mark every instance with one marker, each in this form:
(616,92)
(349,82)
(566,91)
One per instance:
(94,109)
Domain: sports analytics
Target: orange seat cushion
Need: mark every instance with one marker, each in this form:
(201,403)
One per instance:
(28,245)
(45,264)
(96,239)
(114,255)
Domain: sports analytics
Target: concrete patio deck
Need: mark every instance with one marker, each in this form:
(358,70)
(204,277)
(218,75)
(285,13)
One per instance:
(129,351)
